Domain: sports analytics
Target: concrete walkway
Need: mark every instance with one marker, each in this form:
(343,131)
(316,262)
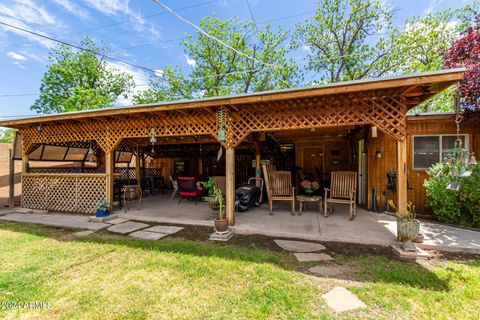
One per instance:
(439,236)
(57,220)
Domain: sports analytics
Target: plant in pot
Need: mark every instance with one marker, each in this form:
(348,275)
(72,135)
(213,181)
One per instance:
(211,199)
(220,223)
(309,187)
(408,227)
(102,209)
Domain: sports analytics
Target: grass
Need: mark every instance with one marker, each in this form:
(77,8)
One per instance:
(113,277)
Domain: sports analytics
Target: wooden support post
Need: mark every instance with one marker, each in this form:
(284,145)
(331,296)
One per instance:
(109,170)
(137,166)
(230,186)
(402,174)
(258,166)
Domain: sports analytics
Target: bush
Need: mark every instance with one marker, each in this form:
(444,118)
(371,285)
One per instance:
(460,206)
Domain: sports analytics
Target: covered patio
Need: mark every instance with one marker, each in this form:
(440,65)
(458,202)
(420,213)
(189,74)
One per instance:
(129,145)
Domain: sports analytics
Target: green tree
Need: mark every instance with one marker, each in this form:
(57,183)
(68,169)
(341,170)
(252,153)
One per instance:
(419,46)
(80,80)
(7,135)
(217,70)
(343,40)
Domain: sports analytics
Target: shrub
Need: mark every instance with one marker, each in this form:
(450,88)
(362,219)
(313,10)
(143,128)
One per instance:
(460,206)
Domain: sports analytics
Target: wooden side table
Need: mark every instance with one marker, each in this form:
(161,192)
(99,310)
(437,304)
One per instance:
(313,199)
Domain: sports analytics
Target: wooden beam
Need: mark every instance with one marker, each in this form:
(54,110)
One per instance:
(109,170)
(137,165)
(402,174)
(230,185)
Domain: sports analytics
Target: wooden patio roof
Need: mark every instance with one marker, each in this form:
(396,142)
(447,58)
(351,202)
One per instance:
(415,88)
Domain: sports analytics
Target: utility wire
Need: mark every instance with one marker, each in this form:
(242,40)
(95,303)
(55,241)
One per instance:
(115,23)
(176,14)
(251,15)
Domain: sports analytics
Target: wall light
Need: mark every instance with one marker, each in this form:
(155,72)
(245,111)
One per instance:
(378,154)
(374,132)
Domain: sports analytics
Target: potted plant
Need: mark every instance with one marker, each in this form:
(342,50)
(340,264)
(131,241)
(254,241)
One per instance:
(309,187)
(220,223)
(408,227)
(102,209)
(211,199)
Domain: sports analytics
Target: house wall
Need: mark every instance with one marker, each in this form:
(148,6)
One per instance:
(422,125)
(4,175)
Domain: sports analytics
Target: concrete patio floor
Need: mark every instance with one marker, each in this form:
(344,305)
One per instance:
(311,225)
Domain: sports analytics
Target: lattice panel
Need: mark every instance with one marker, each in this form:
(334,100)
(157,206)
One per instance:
(125,173)
(156,172)
(384,108)
(63,170)
(63,193)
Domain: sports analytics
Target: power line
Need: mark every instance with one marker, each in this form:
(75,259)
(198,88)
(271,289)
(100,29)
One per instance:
(113,24)
(176,14)
(80,48)
(251,14)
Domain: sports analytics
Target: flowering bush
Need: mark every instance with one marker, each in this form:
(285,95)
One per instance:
(306,184)
(454,198)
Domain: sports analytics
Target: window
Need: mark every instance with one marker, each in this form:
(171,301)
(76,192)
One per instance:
(428,150)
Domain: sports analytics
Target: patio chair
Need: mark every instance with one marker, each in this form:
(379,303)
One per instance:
(342,190)
(281,189)
(187,188)
(267,170)
(174,186)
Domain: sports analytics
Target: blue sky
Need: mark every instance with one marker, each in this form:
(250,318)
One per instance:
(138,31)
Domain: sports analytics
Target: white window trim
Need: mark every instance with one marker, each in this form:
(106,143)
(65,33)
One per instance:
(440,151)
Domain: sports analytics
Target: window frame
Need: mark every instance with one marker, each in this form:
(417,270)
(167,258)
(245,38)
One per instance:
(440,145)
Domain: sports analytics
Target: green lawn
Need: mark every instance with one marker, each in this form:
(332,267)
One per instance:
(114,277)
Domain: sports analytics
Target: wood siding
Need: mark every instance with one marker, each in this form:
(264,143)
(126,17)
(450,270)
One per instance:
(423,125)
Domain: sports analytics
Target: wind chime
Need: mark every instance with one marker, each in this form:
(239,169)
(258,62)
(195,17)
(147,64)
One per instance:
(153,137)
(221,119)
(460,158)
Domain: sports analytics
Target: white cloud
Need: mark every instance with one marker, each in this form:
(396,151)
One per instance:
(16,56)
(141,79)
(122,7)
(191,62)
(26,14)
(159,72)
(72,8)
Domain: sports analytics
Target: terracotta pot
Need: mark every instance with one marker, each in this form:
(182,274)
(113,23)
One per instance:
(221,225)
(407,231)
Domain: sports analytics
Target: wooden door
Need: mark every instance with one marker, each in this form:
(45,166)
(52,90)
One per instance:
(362,173)
(314,163)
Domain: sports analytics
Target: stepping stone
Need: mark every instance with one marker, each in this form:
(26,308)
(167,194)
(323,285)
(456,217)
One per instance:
(127,227)
(145,235)
(305,257)
(299,246)
(116,221)
(340,299)
(330,270)
(164,229)
(84,233)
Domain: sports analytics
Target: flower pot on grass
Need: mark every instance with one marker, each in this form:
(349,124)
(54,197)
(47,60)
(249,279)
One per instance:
(408,230)
(408,227)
